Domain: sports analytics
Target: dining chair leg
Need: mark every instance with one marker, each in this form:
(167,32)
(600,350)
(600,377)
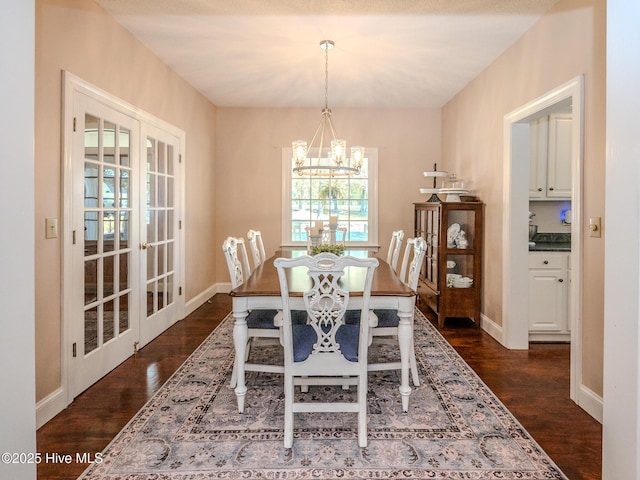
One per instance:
(234,373)
(362,412)
(414,366)
(405,335)
(414,373)
(288,411)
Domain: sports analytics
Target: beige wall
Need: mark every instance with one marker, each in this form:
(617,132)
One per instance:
(567,42)
(248,167)
(77,36)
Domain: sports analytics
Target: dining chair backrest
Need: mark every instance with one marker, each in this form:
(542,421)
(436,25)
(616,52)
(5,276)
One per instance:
(415,250)
(341,236)
(235,253)
(394,248)
(257,247)
(325,346)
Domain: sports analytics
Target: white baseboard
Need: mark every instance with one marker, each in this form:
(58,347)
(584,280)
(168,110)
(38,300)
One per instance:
(50,406)
(492,328)
(590,402)
(193,304)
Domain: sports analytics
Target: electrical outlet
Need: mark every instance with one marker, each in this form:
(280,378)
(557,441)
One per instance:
(51,228)
(595,227)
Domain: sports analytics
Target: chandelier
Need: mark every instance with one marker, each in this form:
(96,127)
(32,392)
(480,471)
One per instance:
(337,164)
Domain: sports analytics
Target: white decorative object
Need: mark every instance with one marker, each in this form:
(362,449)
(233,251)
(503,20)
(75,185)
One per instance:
(452,233)
(433,191)
(315,240)
(461,240)
(453,195)
(332,233)
(462,282)
(453,188)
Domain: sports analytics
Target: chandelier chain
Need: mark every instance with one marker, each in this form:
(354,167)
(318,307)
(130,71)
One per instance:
(326,78)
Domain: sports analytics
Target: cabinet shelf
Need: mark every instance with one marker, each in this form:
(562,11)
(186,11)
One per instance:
(440,224)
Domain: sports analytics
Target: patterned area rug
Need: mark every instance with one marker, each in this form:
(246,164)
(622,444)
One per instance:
(455,428)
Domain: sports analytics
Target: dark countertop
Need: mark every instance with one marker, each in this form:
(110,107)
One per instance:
(551,247)
(551,242)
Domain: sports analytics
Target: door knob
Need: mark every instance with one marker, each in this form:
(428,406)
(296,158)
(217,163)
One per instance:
(145,245)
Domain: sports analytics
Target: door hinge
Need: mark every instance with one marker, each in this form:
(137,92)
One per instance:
(179,224)
(179,290)
(135,348)
(74,124)
(74,350)
(179,158)
(73,236)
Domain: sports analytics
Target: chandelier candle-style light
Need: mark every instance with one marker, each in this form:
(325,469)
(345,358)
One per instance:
(337,164)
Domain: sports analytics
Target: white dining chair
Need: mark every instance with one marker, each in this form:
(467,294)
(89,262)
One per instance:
(260,323)
(257,247)
(394,249)
(325,350)
(386,330)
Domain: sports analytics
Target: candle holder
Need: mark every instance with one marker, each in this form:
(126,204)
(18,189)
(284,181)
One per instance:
(315,239)
(332,228)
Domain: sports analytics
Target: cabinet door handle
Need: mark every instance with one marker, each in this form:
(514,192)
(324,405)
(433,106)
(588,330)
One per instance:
(546,262)
(561,280)
(550,189)
(539,189)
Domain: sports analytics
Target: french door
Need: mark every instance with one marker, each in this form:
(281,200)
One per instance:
(124,285)
(159,233)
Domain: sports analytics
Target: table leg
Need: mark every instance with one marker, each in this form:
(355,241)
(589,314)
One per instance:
(240,336)
(405,335)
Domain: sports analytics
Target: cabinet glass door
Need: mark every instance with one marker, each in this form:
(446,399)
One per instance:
(461,225)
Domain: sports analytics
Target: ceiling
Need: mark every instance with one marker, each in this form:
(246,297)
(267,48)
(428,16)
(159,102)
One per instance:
(388,53)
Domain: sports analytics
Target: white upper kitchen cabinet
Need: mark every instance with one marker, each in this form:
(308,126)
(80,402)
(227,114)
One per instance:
(550,158)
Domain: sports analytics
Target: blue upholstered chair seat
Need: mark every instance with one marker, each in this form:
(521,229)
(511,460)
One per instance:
(304,337)
(264,318)
(261,319)
(387,318)
(352,317)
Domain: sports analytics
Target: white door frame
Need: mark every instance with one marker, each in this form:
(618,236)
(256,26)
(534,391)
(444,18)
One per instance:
(71,85)
(515,328)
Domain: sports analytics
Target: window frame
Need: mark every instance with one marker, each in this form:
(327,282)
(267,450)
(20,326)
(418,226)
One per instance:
(371,153)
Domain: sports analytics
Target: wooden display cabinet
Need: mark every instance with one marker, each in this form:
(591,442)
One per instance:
(449,260)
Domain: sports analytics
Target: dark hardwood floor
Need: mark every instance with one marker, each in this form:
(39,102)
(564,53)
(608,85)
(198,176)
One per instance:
(533,385)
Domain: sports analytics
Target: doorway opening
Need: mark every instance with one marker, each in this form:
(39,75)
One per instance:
(515,221)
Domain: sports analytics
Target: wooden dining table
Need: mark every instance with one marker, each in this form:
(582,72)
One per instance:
(262,291)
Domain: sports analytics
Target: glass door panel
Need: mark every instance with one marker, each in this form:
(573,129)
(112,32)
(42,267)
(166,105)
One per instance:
(160,229)
(106,231)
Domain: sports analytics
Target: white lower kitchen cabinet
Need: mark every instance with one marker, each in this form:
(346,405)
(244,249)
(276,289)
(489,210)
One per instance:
(549,297)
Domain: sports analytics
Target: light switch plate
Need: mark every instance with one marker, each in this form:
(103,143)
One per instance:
(51,228)
(595,227)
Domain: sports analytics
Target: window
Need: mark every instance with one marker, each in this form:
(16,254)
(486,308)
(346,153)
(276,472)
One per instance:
(353,199)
